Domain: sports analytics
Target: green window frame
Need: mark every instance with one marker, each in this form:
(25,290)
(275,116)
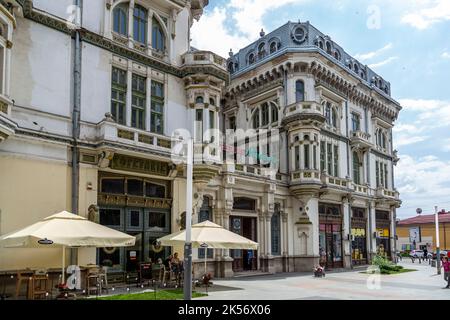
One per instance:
(306,156)
(356,169)
(138,101)
(322,156)
(157,108)
(377,173)
(119,95)
(336,160)
(329,159)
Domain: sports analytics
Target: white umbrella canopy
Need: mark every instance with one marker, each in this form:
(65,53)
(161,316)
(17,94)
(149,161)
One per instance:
(68,230)
(210,234)
(63,230)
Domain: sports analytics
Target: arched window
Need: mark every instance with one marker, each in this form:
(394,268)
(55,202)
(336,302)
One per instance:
(212,101)
(120,14)
(255,119)
(356,69)
(261,50)
(158,38)
(140,24)
(274,114)
(251,58)
(299,91)
(383,140)
(334,117)
(337,55)
(328,113)
(199,99)
(356,169)
(321,45)
(328,47)
(265,114)
(273,47)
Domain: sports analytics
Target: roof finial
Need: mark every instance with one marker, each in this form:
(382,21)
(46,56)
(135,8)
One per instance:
(262,33)
(231,53)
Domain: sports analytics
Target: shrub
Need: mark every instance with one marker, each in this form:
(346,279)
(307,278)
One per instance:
(386,266)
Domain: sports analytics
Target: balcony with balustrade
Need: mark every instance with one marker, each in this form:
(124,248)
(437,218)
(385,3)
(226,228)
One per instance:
(360,139)
(304,111)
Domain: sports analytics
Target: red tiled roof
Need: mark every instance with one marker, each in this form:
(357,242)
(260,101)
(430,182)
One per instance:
(423,219)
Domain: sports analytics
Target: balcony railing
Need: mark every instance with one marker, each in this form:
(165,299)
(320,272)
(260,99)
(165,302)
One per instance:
(364,189)
(304,107)
(386,193)
(305,176)
(111,131)
(252,170)
(334,182)
(203,58)
(360,138)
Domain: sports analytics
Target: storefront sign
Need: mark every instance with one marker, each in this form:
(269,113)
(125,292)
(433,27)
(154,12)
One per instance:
(383,233)
(126,163)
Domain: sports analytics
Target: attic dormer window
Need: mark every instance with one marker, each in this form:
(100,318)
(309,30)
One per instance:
(251,58)
(261,50)
(299,34)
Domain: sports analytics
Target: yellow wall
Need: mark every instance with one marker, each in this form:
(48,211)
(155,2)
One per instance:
(31,190)
(429,230)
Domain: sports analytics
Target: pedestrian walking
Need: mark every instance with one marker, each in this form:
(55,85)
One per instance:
(425,254)
(446,266)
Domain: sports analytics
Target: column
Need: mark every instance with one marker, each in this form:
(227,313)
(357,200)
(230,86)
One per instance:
(346,233)
(268,233)
(148,99)
(392,232)
(149,32)
(130,24)
(129,93)
(372,239)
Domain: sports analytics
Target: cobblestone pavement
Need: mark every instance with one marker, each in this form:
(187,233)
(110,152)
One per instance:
(355,285)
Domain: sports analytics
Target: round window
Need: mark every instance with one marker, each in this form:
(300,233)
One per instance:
(299,34)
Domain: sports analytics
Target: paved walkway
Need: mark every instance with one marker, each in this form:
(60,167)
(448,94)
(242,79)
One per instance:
(354,285)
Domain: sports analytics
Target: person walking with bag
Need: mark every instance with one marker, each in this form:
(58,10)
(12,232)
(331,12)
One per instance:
(446,266)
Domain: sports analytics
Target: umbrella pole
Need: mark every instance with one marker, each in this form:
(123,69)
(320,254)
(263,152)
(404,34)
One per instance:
(205,260)
(63,263)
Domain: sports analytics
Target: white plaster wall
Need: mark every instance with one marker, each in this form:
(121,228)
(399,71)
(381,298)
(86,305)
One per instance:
(59,8)
(181,42)
(176,114)
(95,83)
(93,15)
(35,149)
(41,68)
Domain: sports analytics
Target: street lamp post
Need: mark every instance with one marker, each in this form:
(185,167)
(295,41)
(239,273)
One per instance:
(438,252)
(188,243)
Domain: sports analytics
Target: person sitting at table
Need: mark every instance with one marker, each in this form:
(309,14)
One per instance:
(167,262)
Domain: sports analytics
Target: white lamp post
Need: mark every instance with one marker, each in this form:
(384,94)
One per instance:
(188,244)
(438,251)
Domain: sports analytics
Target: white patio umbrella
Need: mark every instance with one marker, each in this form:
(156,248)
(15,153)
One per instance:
(209,235)
(64,230)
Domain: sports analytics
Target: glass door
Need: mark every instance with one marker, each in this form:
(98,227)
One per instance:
(236,254)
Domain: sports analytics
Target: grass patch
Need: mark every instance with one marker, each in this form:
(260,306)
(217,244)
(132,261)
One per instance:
(176,294)
(384,271)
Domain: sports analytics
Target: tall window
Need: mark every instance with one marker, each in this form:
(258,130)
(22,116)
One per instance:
(334,117)
(315,157)
(322,156)
(118,95)
(382,174)
(306,156)
(157,111)
(212,122)
(274,114)
(328,113)
(232,122)
(275,232)
(336,160)
(356,123)
(138,102)
(299,91)
(273,47)
(121,19)
(297,157)
(251,58)
(264,114)
(158,39)
(385,176)
(199,125)
(377,173)
(329,159)
(140,24)
(356,169)
(256,119)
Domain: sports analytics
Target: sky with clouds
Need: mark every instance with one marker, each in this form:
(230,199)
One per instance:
(405,41)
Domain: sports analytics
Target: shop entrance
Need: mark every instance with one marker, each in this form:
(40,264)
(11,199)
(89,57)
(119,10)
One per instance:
(330,246)
(244,260)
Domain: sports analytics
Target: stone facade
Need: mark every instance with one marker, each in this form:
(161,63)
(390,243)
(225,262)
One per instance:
(142,85)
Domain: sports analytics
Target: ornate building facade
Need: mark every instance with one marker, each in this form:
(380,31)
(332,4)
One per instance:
(89,110)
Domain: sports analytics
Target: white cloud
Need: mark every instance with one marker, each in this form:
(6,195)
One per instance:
(373,54)
(405,139)
(432,113)
(382,63)
(445,55)
(247,18)
(446,145)
(427,13)
(422,182)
